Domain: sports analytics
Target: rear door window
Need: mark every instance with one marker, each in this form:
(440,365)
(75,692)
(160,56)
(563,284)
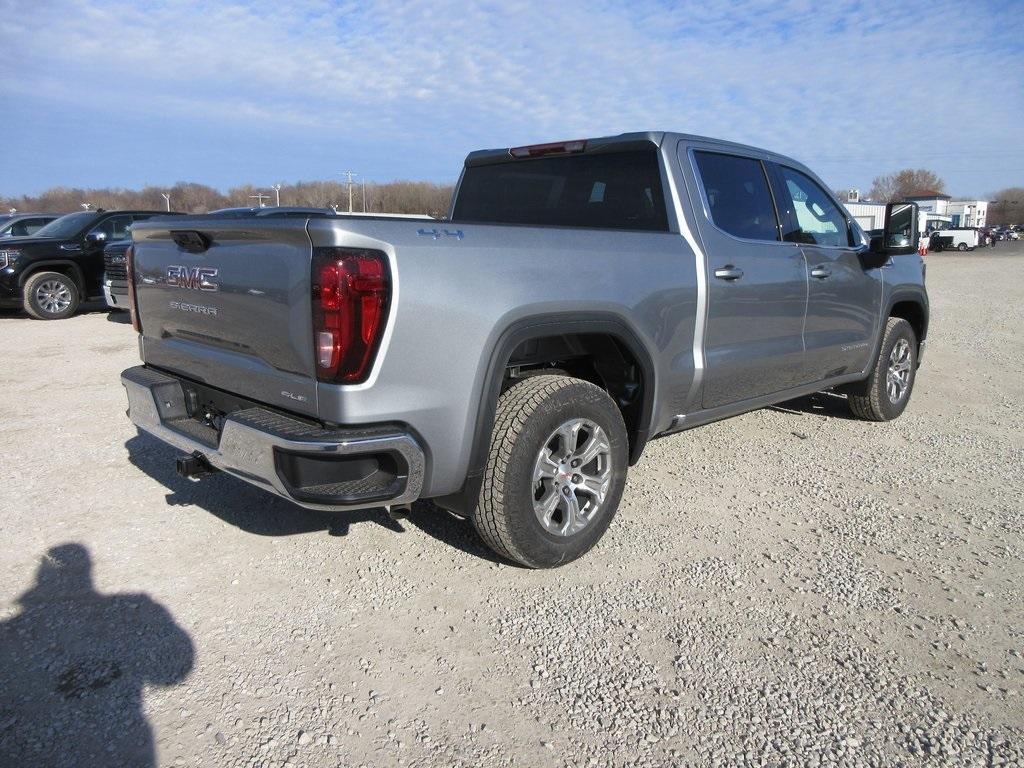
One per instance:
(115,228)
(614,190)
(34,225)
(813,219)
(738,196)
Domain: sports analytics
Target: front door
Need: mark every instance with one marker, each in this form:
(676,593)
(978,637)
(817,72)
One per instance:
(112,229)
(843,300)
(757,283)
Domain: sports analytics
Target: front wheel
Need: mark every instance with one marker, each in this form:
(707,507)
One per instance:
(51,296)
(885,393)
(555,472)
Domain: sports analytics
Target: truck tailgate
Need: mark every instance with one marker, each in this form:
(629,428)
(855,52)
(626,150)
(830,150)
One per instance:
(227,303)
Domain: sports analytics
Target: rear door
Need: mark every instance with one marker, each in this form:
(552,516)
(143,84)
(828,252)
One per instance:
(757,283)
(843,300)
(234,315)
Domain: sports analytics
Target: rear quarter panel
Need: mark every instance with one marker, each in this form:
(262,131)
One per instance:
(454,298)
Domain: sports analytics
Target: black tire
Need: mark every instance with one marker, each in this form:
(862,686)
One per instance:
(528,415)
(962,247)
(871,398)
(58,303)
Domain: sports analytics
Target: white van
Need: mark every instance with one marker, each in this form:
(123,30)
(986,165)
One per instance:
(961,238)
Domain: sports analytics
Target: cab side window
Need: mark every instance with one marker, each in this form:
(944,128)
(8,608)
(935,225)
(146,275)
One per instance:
(737,192)
(814,219)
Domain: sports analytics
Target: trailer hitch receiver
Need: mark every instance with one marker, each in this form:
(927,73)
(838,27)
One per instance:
(194,466)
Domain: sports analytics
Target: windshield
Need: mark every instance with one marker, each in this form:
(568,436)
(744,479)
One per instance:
(69,225)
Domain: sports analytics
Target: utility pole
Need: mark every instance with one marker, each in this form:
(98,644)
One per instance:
(349,174)
(87,206)
(364,195)
(167,199)
(277,191)
(259,196)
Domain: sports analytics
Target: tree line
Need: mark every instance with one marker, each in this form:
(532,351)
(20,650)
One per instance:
(189,197)
(1006,206)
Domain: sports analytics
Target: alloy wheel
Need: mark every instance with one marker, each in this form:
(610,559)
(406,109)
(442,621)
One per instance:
(571,477)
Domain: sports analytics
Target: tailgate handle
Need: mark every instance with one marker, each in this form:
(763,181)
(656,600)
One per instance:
(190,240)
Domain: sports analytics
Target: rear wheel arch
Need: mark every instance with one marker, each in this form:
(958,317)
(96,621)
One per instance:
(582,345)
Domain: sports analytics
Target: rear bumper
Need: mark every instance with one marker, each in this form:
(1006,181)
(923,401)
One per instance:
(317,468)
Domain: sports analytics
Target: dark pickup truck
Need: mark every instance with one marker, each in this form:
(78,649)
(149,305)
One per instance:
(512,361)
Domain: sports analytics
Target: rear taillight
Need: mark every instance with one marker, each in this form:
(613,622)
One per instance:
(133,308)
(351,290)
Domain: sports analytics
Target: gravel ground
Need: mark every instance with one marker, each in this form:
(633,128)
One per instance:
(791,587)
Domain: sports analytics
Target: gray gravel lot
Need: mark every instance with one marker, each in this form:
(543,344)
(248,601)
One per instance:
(791,587)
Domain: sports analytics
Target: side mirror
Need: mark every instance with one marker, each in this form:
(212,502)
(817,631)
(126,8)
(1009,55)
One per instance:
(95,238)
(901,234)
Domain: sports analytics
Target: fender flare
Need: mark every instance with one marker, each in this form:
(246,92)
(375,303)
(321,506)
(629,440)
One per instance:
(913,296)
(903,295)
(523,330)
(76,272)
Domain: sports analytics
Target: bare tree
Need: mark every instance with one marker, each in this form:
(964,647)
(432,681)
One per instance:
(1007,206)
(905,183)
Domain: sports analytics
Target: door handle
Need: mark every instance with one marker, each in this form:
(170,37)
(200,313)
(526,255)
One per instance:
(728,272)
(821,272)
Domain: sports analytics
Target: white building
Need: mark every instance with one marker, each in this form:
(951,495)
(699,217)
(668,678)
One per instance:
(954,213)
(969,213)
(869,215)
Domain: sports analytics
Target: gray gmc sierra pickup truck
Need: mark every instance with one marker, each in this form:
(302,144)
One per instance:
(511,361)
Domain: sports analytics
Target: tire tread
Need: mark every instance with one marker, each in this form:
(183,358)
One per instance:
(515,407)
(867,402)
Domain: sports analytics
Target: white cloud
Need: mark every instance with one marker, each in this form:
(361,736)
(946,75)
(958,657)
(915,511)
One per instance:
(854,89)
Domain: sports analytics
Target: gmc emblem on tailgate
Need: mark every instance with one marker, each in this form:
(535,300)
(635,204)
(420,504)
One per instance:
(194,278)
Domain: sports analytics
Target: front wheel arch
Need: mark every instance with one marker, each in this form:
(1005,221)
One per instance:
(68,268)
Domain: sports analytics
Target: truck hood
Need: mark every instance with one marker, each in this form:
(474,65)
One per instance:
(39,246)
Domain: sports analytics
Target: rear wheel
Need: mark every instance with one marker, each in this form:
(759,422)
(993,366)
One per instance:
(885,393)
(962,247)
(51,296)
(555,472)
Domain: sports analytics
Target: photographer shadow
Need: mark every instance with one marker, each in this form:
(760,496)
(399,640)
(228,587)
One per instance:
(74,664)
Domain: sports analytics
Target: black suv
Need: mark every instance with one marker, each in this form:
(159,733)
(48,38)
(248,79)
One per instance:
(51,272)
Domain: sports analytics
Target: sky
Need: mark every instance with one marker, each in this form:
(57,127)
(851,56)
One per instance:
(127,94)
